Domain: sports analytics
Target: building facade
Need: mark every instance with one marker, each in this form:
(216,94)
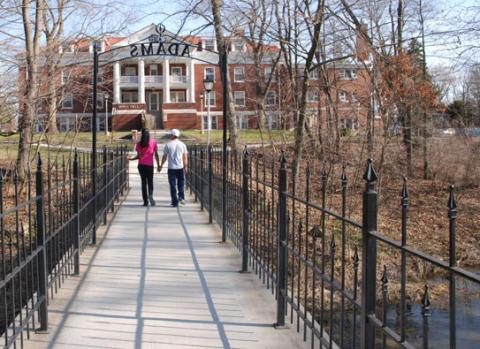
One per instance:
(155,77)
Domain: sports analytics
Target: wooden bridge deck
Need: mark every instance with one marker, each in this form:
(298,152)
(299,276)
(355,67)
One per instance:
(159,278)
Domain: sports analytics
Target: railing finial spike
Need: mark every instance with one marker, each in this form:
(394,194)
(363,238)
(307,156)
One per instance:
(425,302)
(404,193)
(452,203)
(370,174)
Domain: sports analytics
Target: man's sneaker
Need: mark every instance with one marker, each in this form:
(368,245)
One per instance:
(173,205)
(152,202)
(183,202)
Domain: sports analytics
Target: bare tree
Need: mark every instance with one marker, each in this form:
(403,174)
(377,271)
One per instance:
(32,29)
(222,50)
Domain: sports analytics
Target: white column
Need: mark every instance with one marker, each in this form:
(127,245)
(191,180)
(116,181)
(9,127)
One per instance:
(191,82)
(116,83)
(166,81)
(141,81)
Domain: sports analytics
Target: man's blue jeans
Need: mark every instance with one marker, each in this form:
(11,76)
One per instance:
(176,178)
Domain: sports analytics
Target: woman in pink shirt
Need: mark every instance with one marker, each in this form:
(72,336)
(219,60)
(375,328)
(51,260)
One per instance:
(146,149)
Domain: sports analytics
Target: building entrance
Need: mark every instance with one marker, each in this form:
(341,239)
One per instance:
(154,107)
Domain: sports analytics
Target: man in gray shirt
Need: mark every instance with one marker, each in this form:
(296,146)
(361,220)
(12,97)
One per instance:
(176,153)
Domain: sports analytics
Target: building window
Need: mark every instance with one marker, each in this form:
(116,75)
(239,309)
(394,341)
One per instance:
(268,72)
(348,74)
(129,96)
(213,118)
(238,74)
(177,96)
(270,98)
(342,96)
(273,121)
(209,73)
(130,71)
(239,45)
(312,96)
(67,101)
(176,71)
(239,97)
(154,70)
(209,44)
(100,100)
(355,99)
(64,77)
(242,122)
(349,124)
(314,74)
(210,100)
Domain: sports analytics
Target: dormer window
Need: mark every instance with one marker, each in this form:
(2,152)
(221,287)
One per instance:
(348,74)
(238,45)
(209,44)
(100,45)
(67,48)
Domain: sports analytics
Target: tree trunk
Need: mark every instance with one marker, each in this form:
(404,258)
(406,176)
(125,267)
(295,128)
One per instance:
(32,38)
(52,95)
(408,141)
(222,49)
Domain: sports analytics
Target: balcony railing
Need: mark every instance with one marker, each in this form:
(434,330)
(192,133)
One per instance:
(182,79)
(129,79)
(153,79)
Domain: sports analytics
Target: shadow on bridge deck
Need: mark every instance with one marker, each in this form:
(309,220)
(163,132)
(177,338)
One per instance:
(159,278)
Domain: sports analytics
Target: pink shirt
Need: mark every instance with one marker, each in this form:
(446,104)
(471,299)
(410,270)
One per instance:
(145,155)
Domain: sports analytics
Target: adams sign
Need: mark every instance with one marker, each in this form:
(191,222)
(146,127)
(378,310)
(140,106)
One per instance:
(157,46)
(160,49)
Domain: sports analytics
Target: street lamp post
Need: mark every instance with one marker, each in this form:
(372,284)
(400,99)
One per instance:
(107,96)
(208,85)
(94,141)
(224,146)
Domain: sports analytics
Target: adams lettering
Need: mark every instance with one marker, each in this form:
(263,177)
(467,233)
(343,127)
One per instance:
(160,49)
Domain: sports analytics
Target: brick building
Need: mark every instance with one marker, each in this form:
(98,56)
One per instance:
(165,83)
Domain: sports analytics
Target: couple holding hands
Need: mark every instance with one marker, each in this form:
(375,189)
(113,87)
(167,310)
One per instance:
(175,151)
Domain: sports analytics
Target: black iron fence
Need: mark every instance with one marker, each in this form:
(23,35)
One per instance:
(46,220)
(323,266)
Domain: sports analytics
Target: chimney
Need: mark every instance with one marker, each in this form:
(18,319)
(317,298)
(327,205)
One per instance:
(238,31)
(361,46)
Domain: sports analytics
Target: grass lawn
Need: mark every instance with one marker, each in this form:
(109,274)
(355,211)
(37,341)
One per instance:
(9,144)
(71,138)
(246,136)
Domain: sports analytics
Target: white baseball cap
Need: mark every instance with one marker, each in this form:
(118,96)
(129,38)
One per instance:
(175,132)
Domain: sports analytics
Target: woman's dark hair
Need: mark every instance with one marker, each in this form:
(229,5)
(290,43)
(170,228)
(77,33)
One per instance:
(145,139)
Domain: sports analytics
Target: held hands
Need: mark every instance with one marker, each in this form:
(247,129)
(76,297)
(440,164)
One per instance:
(159,168)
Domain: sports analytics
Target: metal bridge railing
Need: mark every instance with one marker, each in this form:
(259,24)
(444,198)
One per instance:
(46,220)
(323,266)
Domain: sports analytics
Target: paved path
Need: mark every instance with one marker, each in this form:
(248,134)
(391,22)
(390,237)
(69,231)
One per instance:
(160,279)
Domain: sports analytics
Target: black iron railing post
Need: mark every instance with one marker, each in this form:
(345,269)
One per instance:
(224,68)
(210,189)
(94,143)
(195,171)
(202,160)
(42,255)
(76,205)
(369,258)
(245,209)
(105,181)
(282,244)
(111,185)
(452,217)
(425,315)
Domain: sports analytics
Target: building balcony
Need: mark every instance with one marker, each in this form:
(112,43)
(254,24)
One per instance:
(133,80)
(154,79)
(178,79)
(129,79)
